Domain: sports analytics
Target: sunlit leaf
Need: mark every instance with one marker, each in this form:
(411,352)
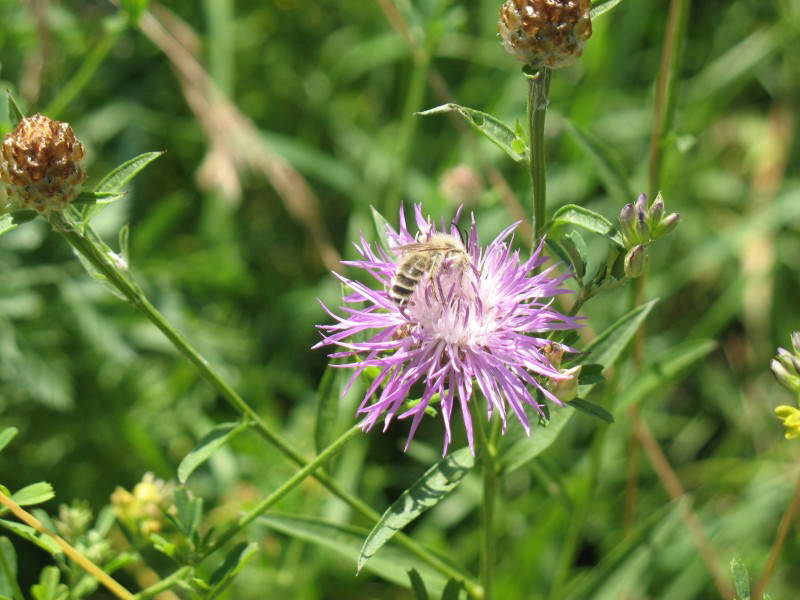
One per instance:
(36,493)
(417,585)
(119,177)
(487,125)
(45,542)
(211,442)
(741,579)
(436,483)
(8,434)
(14,111)
(603,7)
(579,216)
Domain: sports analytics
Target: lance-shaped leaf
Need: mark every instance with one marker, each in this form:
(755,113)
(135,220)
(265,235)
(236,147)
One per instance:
(392,564)
(417,585)
(14,111)
(9,588)
(119,177)
(36,493)
(741,579)
(591,409)
(87,197)
(234,562)
(489,126)
(578,216)
(8,434)
(45,542)
(603,7)
(381,227)
(437,482)
(211,442)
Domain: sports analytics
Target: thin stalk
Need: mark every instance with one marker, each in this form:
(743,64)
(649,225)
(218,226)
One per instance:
(101,260)
(663,112)
(72,89)
(538,98)
(79,559)
(489,471)
(164,584)
(284,489)
(777,546)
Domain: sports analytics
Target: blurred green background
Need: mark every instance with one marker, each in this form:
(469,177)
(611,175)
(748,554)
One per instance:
(282,122)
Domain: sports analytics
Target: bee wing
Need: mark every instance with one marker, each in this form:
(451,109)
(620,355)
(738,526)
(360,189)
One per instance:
(418,247)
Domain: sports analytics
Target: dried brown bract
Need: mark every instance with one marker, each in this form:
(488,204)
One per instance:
(550,33)
(41,165)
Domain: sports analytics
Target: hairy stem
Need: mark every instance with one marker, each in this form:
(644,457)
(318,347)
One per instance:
(538,98)
(109,582)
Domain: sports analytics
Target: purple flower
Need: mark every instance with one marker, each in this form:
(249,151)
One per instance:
(474,317)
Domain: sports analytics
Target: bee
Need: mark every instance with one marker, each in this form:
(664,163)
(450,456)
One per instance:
(424,259)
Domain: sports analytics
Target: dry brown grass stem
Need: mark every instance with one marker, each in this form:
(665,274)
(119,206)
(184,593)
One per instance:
(673,486)
(236,143)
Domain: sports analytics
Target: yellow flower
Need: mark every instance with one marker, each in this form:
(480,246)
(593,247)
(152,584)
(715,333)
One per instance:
(791,420)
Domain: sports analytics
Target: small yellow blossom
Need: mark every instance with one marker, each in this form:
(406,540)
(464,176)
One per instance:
(791,420)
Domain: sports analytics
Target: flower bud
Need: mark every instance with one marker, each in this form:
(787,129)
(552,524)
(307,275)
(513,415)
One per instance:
(566,389)
(667,224)
(549,33)
(636,261)
(641,205)
(40,164)
(791,420)
(657,210)
(786,365)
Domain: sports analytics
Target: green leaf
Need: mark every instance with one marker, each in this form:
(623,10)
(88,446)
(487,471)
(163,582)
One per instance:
(327,407)
(14,111)
(578,216)
(741,579)
(519,452)
(493,128)
(608,166)
(234,562)
(49,586)
(603,7)
(436,483)
(36,493)
(393,563)
(453,590)
(45,542)
(189,511)
(8,434)
(23,215)
(593,410)
(210,443)
(382,227)
(119,177)
(665,370)
(417,585)
(9,587)
(88,197)
(575,247)
(591,374)
(7,223)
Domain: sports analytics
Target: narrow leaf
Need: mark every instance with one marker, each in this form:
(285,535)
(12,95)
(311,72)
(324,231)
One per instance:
(593,410)
(8,570)
(426,492)
(453,590)
(603,7)
(540,439)
(741,579)
(8,434)
(23,215)
(393,563)
(36,493)
(578,216)
(666,369)
(14,111)
(417,585)
(211,442)
(44,542)
(327,408)
(88,197)
(575,246)
(382,227)
(189,511)
(491,127)
(608,166)
(234,562)
(119,177)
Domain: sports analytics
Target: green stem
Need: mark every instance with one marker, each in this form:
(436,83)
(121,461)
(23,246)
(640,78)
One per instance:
(73,88)
(164,584)
(284,489)
(489,469)
(103,261)
(538,98)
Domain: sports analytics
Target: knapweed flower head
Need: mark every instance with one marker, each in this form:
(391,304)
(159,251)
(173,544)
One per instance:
(41,165)
(478,319)
(549,33)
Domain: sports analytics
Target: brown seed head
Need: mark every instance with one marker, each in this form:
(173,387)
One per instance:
(550,33)
(41,165)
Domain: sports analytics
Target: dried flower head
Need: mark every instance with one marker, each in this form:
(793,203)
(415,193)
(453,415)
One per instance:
(550,33)
(480,317)
(41,165)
